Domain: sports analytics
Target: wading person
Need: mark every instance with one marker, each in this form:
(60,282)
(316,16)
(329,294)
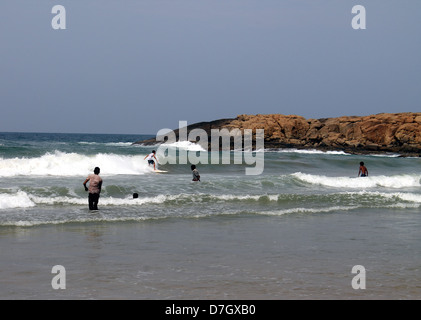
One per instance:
(196,175)
(363,172)
(95,184)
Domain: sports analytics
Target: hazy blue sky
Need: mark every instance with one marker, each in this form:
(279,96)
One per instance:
(137,66)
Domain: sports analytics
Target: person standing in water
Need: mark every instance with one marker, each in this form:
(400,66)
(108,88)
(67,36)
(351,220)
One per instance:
(363,172)
(150,158)
(95,185)
(196,175)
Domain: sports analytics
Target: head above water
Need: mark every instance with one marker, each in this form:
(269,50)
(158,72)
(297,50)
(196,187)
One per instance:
(361,163)
(97,170)
(135,195)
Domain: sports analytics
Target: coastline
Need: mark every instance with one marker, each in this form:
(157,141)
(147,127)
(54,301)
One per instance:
(397,133)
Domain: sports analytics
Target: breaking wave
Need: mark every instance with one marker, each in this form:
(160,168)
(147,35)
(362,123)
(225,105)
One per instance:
(394,182)
(73,164)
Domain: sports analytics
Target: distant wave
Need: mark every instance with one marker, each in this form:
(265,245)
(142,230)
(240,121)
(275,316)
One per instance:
(386,155)
(340,153)
(112,144)
(186,145)
(394,182)
(408,197)
(309,151)
(73,164)
(308,210)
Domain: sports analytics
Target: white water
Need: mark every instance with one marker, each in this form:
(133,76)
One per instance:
(17,200)
(73,164)
(394,182)
(22,199)
(312,151)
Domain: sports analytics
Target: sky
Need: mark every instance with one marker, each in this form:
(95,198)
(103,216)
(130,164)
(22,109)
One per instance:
(138,66)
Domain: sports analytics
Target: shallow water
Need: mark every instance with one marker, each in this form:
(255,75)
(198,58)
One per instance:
(294,232)
(225,257)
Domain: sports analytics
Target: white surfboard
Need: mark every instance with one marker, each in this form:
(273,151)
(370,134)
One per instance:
(159,171)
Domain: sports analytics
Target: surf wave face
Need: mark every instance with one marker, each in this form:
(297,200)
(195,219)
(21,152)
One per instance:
(73,164)
(17,200)
(393,182)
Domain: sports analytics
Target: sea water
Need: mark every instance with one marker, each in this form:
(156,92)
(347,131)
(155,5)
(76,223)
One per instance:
(294,232)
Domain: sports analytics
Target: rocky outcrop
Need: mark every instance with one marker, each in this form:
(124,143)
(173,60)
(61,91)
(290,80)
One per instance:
(386,132)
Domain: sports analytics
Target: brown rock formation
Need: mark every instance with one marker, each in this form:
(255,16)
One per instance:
(397,133)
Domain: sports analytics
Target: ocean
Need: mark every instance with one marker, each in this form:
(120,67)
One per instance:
(294,232)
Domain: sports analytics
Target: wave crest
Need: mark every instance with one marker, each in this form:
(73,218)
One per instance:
(17,200)
(73,164)
(393,182)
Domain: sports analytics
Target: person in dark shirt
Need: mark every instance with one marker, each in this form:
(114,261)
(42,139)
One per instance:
(196,175)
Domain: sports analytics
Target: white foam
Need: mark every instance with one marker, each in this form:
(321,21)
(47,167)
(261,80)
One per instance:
(105,201)
(24,200)
(311,151)
(17,200)
(73,164)
(228,197)
(21,223)
(409,197)
(111,201)
(186,145)
(394,182)
(308,210)
(385,155)
(33,223)
(112,144)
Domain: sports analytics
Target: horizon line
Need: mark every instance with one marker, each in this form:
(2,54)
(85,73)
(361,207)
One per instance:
(43,132)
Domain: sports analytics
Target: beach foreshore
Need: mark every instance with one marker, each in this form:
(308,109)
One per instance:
(235,257)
